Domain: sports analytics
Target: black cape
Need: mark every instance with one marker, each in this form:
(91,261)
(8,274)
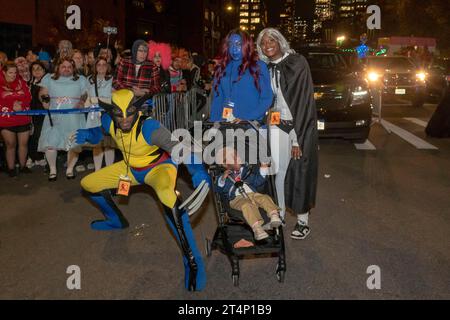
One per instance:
(439,124)
(298,91)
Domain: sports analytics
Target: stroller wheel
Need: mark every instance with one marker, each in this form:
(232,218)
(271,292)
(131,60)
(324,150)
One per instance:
(280,276)
(208,250)
(235,280)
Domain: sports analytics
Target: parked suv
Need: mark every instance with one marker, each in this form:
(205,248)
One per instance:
(343,102)
(402,81)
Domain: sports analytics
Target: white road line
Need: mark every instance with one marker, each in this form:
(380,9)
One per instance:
(417,121)
(409,137)
(367,145)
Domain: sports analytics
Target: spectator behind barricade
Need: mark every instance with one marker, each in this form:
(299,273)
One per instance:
(192,73)
(32,55)
(137,74)
(3,58)
(45,58)
(100,88)
(160,54)
(23,67)
(90,60)
(208,74)
(65,49)
(239,184)
(38,72)
(64,89)
(80,64)
(177,83)
(15,130)
(241,88)
(109,52)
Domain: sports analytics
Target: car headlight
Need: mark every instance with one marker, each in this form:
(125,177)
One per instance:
(421,76)
(360,95)
(373,76)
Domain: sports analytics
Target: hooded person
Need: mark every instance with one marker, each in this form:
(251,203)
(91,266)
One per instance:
(147,148)
(138,73)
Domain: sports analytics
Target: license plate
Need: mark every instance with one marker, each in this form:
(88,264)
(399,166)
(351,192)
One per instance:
(400,91)
(320,125)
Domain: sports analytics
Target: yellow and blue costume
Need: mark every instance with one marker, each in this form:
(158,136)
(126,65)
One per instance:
(146,149)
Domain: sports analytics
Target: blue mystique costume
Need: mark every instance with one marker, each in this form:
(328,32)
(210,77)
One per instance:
(249,102)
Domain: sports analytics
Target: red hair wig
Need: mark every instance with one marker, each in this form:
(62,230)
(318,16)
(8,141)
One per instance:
(249,58)
(164,50)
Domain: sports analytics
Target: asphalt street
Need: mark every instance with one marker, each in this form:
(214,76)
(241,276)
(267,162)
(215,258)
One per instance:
(388,206)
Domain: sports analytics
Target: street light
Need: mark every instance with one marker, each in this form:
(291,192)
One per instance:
(229,8)
(340,40)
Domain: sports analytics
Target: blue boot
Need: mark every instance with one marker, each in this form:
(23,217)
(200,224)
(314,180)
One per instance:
(114,218)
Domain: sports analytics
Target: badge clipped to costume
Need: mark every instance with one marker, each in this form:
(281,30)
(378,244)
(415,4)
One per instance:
(228,111)
(124,186)
(275,118)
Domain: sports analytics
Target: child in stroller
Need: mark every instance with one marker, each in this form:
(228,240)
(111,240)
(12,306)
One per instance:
(239,185)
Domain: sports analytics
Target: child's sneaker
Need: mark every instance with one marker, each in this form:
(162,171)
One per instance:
(259,233)
(275,221)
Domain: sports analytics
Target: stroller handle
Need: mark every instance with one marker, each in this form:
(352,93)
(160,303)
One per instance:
(241,124)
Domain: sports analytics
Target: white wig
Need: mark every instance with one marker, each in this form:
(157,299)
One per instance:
(278,37)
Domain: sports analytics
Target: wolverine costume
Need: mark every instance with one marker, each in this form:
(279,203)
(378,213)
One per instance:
(146,147)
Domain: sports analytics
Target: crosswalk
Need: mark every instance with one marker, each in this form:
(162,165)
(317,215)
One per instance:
(402,133)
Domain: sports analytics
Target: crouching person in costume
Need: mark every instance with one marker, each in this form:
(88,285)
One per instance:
(146,147)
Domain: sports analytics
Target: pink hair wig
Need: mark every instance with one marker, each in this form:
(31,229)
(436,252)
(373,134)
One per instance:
(164,50)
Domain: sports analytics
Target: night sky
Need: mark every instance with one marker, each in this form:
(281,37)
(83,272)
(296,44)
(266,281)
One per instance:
(304,9)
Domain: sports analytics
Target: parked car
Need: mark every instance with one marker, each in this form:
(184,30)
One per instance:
(344,106)
(402,81)
(438,79)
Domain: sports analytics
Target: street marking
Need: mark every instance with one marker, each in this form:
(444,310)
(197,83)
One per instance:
(367,145)
(417,121)
(409,137)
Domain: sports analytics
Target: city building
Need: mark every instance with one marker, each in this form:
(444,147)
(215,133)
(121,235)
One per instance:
(287,20)
(252,16)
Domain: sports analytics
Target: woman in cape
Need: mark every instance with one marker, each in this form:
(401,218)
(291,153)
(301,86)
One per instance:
(294,136)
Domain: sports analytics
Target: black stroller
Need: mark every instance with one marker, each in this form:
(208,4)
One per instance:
(232,226)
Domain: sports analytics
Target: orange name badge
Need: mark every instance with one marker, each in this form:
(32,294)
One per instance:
(124,186)
(227,113)
(275,118)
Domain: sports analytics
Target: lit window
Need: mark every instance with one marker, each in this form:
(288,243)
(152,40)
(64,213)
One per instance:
(255,20)
(244,21)
(244,14)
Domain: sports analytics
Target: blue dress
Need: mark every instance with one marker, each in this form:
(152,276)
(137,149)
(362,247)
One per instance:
(64,94)
(93,120)
(249,103)
(104,88)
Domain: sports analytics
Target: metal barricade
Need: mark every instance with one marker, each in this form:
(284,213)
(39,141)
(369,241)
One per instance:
(179,110)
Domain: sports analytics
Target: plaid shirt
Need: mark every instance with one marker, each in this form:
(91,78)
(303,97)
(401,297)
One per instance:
(147,77)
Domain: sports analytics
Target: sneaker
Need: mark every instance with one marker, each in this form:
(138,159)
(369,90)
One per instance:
(90,166)
(275,221)
(80,168)
(41,163)
(29,164)
(300,231)
(259,233)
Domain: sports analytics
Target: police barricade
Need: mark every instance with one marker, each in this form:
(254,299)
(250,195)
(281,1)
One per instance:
(179,110)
